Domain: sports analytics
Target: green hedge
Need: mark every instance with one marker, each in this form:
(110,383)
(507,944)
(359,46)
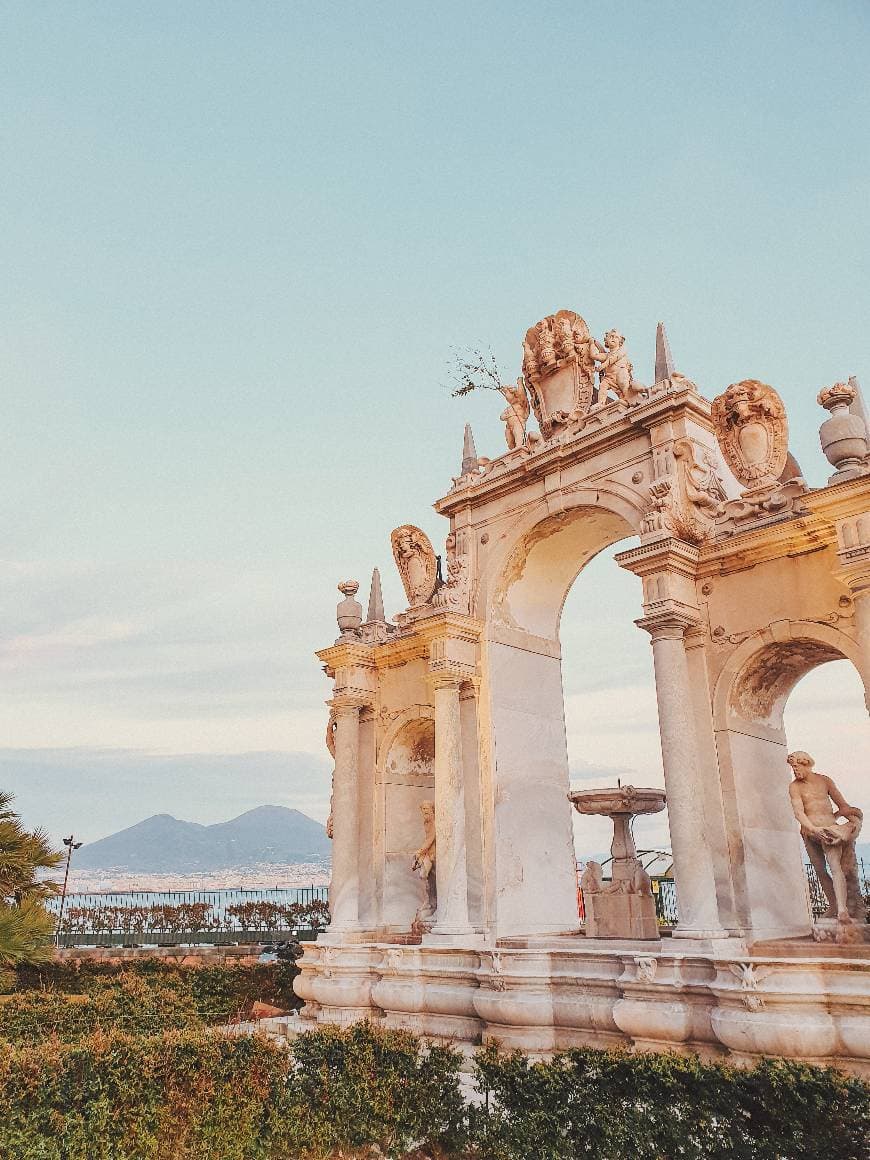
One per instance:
(613,1105)
(181,1096)
(192,1095)
(134,996)
(204,1096)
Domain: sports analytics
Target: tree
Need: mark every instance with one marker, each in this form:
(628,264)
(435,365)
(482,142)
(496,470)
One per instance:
(26,927)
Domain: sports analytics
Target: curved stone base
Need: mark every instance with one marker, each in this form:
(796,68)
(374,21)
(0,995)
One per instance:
(652,996)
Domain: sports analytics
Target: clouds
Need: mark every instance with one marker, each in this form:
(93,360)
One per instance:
(179,657)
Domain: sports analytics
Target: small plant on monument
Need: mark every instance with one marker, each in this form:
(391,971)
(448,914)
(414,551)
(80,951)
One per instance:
(26,927)
(470,369)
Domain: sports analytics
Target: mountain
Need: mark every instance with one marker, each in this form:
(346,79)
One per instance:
(163,844)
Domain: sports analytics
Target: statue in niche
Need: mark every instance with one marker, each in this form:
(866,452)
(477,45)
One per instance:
(416,562)
(615,372)
(516,414)
(830,842)
(424,863)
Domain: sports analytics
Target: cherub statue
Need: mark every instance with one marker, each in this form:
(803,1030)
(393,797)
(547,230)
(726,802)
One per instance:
(516,414)
(830,843)
(424,862)
(615,372)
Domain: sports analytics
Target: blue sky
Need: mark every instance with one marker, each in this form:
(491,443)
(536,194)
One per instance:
(238,242)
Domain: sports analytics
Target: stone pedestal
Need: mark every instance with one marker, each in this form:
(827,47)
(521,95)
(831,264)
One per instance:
(615,915)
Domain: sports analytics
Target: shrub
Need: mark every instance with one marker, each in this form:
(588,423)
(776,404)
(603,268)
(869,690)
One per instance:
(219,993)
(185,1095)
(611,1105)
(361,1086)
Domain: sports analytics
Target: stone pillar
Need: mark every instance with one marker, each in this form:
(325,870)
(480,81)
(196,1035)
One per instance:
(693,862)
(853,556)
(344,893)
(451,875)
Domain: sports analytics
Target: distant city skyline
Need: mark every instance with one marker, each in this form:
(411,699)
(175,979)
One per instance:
(238,246)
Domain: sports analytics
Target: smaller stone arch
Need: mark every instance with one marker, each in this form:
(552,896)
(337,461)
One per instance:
(748,704)
(406,778)
(758,677)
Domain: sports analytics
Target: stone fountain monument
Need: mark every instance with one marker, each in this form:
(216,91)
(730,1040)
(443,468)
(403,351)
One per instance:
(452,711)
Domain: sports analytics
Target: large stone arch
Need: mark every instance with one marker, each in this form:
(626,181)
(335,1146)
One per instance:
(528,579)
(547,547)
(749,699)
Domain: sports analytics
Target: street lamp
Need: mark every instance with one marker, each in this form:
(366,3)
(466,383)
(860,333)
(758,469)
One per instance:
(71,845)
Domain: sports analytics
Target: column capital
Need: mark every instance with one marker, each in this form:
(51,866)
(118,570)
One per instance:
(670,623)
(664,555)
(446,678)
(345,703)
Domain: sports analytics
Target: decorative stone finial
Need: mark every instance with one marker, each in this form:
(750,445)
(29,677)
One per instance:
(469,453)
(664,359)
(349,611)
(844,436)
(376,600)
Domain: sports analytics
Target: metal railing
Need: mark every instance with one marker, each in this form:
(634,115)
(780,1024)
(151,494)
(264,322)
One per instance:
(665,895)
(184,917)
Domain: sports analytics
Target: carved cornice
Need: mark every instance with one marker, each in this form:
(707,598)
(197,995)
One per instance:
(515,468)
(798,535)
(414,642)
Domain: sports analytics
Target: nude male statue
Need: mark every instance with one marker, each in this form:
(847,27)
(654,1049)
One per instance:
(424,862)
(826,839)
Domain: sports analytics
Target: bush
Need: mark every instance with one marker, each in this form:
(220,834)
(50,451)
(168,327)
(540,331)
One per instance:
(184,1095)
(360,1086)
(612,1105)
(198,1095)
(219,993)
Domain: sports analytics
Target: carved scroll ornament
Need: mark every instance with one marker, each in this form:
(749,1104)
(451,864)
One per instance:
(751,426)
(416,561)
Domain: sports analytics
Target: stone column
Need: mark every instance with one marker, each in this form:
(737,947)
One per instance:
(344,893)
(451,875)
(853,555)
(693,862)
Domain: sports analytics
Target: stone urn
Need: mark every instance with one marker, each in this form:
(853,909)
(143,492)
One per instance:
(624,907)
(349,611)
(844,436)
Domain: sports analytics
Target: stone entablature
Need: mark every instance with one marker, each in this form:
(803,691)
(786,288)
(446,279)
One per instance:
(748,580)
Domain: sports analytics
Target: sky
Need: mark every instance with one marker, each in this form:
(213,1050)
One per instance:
(238,244)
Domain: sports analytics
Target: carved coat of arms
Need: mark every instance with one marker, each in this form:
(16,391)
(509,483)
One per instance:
(415,558)
(559,368)
(752,430)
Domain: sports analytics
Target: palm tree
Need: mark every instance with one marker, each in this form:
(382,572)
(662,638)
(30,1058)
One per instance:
(26,927)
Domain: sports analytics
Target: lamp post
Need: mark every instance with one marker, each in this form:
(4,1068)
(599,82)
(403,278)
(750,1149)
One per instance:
(71,845)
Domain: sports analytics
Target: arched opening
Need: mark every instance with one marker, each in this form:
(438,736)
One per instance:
(754,735)
(826,716)
(535,860)
(611,717)
(407,774)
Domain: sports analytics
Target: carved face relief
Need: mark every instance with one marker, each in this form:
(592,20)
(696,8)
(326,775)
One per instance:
(752,429)
(415,559)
